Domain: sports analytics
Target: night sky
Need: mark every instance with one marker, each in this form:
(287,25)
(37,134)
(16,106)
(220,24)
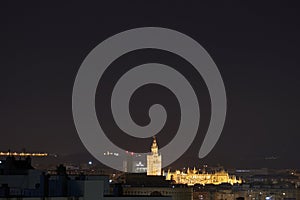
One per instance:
(255,46)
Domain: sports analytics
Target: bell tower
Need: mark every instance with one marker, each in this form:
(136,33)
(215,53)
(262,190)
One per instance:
(154,160)
(154,147)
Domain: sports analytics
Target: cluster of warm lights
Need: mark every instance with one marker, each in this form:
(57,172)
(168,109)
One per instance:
(192,177)
(23,154)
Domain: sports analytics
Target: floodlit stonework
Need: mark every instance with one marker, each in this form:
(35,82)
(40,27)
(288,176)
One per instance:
(192,177)
(154,160)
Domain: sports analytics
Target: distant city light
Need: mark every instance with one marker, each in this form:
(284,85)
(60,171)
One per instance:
(110,154)
(242,170)
(90,162)
(139,164)
(23,154)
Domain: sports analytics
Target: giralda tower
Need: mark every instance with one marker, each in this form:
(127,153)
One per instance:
(154,160)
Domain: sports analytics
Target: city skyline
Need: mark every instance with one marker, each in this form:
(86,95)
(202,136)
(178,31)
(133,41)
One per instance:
(255,47)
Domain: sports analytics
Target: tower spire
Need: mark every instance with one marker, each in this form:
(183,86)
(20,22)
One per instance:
(154,147)
(154,160)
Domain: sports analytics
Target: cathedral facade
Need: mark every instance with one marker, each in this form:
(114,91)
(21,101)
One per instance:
(154,160)
(192,177)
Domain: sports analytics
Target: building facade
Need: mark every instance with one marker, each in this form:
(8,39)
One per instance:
(154,160)
(192,177)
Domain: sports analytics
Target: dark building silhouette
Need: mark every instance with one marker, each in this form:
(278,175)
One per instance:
(13,166)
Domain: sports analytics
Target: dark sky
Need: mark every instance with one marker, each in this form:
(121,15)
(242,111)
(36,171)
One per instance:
(255,46)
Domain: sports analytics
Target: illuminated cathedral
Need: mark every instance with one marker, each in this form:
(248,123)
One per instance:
(154,160)
(192,177)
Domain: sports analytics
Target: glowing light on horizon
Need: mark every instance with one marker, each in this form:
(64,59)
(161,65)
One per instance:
(23,154)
